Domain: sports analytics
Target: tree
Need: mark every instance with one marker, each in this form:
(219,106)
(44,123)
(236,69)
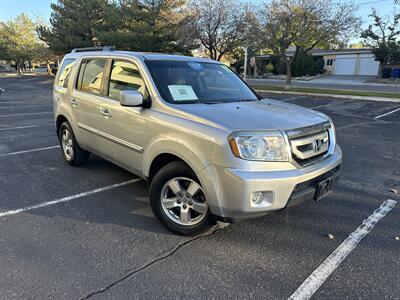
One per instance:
(141,25)
(19,41)
(219,25)
(303,25)
(383,38)
(73,23)
(150,25)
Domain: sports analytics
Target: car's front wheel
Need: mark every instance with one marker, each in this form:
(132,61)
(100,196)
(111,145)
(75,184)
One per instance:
(178,200)
(72,152)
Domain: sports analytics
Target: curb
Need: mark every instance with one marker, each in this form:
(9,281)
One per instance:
(351,97)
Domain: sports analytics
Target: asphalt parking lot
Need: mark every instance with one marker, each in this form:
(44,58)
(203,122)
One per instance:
(88,232)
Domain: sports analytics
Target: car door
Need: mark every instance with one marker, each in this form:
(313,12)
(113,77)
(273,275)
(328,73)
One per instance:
(122,130)
(85,101)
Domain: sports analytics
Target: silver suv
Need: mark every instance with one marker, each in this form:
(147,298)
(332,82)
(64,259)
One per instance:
(210,147)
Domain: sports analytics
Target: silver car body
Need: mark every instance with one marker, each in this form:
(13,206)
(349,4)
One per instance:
(134,137)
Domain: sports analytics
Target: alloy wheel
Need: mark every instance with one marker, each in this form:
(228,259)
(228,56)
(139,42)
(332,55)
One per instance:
(183,201)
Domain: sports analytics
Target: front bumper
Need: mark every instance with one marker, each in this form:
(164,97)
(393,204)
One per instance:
(280,188)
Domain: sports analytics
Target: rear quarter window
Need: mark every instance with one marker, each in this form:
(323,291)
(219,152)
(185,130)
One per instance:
(90,77)
(64,73)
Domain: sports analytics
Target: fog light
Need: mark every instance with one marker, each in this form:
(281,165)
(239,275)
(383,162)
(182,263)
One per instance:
(257,198)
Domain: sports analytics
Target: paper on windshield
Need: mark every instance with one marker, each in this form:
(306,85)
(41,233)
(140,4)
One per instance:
(182,92)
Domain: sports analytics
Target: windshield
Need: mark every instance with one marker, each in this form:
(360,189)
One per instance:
(198,82)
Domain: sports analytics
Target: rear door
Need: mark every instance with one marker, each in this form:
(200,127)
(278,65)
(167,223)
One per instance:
(85,101)
(122,130)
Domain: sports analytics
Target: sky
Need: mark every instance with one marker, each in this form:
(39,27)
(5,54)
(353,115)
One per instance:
(41,8)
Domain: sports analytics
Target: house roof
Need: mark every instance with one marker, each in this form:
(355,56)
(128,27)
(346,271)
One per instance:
(322,52)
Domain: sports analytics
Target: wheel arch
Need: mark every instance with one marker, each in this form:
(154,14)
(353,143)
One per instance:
(59,120)
(162,160)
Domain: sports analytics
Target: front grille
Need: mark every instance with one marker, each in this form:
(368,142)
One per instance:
(309,144)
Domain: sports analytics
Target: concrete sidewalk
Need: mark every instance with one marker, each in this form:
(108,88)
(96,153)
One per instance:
(351,83)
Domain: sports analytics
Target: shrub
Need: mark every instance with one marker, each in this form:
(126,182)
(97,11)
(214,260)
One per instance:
(319,65)
(303,65)
(270,68)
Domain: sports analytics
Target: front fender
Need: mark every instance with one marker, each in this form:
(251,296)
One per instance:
(178,147)
(194,157)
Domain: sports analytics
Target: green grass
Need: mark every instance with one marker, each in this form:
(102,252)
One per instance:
(326,91)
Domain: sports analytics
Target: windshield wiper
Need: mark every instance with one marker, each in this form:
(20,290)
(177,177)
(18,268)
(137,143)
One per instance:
(246,100)
(212,101)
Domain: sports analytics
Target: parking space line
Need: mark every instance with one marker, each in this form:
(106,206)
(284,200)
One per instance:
(317,278)
(23,127)
(27,114)
(23,106)
(294,98)
(68,198)
(18,127)
(29,151)
(22,101)
(388,113)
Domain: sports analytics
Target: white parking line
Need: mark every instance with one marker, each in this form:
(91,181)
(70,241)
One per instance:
(320,106)
(18,127)
(317,278)
(27,114)
(66,199)
(294,98)
(23,106)
(23,127)
(388,113)
(28,151)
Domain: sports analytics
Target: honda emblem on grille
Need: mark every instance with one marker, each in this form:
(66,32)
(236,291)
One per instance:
(317,145)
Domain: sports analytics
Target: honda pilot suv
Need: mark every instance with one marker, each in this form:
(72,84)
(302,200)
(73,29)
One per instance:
(210,147)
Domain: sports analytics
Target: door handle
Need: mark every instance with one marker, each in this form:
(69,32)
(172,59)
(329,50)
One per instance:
(105,112)
(73,102)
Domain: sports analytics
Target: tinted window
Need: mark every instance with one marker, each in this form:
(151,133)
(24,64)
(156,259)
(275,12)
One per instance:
(187,81)
(125,76)
(91,76)
(65,72)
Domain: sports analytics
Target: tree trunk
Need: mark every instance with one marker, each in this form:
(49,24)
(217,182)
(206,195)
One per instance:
(288,72)
(19,68)
(380,70)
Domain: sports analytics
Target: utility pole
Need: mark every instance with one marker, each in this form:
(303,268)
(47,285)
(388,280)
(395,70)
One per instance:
(245,62)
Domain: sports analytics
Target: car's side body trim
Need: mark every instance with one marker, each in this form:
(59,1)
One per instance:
(111,138)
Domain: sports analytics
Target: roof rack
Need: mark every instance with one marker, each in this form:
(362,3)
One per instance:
(105,48)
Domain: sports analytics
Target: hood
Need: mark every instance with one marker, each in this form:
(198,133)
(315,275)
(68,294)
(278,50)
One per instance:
(255,115)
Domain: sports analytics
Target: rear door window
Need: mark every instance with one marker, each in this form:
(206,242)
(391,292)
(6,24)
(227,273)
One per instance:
(65,72)
(91,73)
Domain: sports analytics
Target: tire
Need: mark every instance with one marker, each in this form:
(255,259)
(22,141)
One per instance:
(178,200)
(72,152)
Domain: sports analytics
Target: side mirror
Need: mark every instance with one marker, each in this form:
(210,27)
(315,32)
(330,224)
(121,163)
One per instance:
(131,98)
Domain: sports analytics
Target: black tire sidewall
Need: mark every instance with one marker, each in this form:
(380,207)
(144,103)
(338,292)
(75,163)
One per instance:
(173,170)
(67,126)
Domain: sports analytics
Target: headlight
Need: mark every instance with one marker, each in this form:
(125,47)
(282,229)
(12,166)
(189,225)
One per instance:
(259,146)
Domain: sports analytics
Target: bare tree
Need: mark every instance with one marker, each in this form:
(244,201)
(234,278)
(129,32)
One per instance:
(383,38)
(219,25)
(305,24)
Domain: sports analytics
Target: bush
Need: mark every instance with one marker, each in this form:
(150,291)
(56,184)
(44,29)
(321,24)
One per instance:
(303,65)
(319,65)
(269,68)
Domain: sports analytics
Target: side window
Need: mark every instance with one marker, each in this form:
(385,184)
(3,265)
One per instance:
(91,76)
(65,72)
(125,76)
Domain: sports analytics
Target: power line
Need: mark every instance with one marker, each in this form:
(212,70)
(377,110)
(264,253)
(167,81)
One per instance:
(372,2)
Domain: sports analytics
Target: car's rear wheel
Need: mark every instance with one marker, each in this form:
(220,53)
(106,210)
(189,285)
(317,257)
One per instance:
(178,200)
(72,152)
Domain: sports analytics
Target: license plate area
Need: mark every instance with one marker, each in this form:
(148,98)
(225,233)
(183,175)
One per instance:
(324,187)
